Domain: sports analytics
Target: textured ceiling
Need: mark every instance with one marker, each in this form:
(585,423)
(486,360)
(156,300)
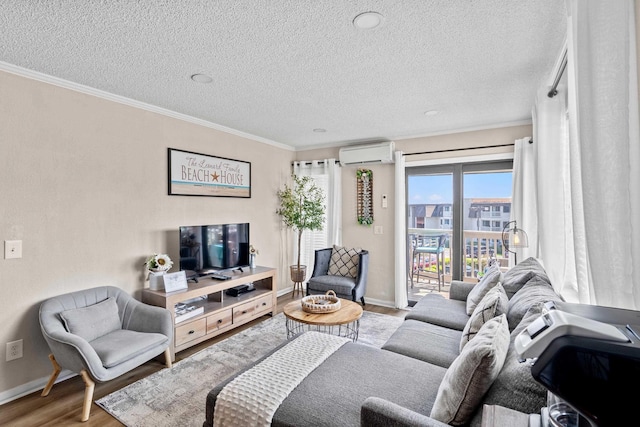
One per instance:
(282,68)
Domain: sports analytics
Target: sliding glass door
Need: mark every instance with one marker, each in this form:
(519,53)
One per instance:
(430,223)
(455,216)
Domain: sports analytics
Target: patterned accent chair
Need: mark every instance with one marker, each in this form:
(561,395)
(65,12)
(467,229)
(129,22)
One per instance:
(341,270)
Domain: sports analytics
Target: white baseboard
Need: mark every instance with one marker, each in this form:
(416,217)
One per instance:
(32,386)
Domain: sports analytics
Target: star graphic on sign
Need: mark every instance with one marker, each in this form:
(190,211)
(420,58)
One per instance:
(215,176)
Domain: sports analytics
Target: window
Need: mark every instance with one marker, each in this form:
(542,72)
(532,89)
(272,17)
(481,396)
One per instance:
(473,199)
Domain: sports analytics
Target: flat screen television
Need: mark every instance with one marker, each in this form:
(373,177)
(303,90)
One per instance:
(205,249)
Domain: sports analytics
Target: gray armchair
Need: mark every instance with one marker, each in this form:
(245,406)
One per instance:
(102,333)
(345,287)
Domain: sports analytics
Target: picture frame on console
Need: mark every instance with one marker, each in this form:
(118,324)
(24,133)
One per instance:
(196,174)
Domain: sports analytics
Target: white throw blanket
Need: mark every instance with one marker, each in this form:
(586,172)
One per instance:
(253,397)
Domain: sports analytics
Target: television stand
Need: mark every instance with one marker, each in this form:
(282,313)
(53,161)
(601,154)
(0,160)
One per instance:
(220,311)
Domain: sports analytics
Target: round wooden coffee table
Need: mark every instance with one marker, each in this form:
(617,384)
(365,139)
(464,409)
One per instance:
(344,322)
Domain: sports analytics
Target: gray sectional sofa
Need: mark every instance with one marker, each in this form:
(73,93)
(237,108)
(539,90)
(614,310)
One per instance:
(447,359)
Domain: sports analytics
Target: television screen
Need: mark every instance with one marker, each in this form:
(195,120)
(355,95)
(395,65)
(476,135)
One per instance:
(209,248)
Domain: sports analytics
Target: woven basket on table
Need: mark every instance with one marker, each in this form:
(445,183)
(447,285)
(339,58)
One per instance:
(327,303)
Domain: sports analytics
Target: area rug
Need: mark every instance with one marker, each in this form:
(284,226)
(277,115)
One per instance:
(176,396)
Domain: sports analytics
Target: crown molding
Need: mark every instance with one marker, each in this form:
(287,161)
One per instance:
(45,78)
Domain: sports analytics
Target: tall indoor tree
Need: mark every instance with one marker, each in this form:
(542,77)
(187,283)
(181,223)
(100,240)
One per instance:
(301,208)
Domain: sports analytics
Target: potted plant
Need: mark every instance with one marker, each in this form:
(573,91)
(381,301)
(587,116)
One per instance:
(301,208)
(157,265)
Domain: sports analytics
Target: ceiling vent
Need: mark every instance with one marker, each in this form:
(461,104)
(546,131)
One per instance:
(381,152)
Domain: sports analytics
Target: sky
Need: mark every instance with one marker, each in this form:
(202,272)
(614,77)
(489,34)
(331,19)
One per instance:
(438,188)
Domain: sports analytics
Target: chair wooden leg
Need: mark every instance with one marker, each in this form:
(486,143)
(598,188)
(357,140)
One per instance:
(88,394)
(167,357)
(53,377)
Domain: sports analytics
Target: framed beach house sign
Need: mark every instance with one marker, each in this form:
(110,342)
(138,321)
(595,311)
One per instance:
(194,174)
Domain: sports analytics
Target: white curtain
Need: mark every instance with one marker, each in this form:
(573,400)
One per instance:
(604,151)
(553,182)
(400,230)
(587,161)
(327,175)
(523,201)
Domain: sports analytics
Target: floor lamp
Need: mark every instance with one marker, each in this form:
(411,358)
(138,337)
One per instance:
(514,237)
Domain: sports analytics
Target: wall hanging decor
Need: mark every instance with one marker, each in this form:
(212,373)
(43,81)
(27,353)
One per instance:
(365,196)
(193,174)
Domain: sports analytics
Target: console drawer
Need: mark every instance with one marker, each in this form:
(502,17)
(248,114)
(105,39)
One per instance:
(219,321)
(190,331)
(249,309)
(264,303)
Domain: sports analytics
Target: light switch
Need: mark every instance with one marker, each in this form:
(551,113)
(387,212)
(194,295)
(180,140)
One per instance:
(12,249)
(384,200)
(377,229)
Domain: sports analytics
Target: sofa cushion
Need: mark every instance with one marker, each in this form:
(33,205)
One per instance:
(537,289)
(333,393)
(438,310)
(491,277)
(427,342)
(344,261)
(472,373)
(494,303)
(516,277)
(92,321)
(515,387)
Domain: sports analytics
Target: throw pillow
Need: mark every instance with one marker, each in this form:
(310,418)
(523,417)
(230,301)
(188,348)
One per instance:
(535,290)
(344,261)
(472,373)
(93,321)
(494,303)
(515,387)
(516,277)
(491,277)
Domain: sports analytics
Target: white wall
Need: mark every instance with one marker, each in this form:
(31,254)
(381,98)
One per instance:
(83,184)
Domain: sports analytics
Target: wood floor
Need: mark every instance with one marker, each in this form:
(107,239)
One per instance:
(63,406)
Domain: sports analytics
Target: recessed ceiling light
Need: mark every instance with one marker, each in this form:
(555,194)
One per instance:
(368,20)
(431,112)
(201,78)
(319,130)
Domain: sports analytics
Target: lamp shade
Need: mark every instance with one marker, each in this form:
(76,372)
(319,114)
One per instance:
(518,238)
(514,237)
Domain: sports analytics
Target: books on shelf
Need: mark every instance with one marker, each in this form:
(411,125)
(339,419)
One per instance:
(187,311)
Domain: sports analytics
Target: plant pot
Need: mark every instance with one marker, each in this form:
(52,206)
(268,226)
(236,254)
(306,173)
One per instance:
(156,280)
(298,274)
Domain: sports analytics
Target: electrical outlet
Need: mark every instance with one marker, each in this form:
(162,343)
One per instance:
(14,350)
(12,249)
(377,229)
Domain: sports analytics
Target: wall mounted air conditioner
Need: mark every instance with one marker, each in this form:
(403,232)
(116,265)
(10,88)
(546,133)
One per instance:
(381,152)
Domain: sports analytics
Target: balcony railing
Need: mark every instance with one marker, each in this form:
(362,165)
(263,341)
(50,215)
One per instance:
(479,248)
